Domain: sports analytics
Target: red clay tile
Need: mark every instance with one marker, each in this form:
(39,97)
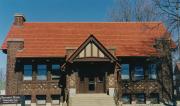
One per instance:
(51,39)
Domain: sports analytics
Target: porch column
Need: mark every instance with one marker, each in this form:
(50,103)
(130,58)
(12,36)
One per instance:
(72,83)
(113,80)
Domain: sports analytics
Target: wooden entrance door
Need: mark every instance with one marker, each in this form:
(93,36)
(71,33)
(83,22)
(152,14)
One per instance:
(91,83)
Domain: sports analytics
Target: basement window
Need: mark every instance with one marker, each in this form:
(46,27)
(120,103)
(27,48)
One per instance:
(154,98)
(152,71)
(139,72)
(41,99)
(55,73)
(42,72)
(125,71)
(126,99)
(140,98)
(27,72)
(27,100)
(55,99)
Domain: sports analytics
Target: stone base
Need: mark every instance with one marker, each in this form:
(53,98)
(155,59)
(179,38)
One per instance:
(61,104)
(111,92)
(148,102)
(178,102)
(48,104)
(133,102)
(33,104)
(72,92)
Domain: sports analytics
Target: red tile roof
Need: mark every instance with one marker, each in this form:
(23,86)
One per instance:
(51,39)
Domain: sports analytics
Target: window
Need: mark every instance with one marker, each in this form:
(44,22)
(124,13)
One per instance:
(81,78)
(140,98)
(27,100)
(139,72)
(125,71)
(42,72)
(41,99)
(154,98)
(55,99)
(152,73)
(55,72)
(100,79)
(27,72)
(126,99)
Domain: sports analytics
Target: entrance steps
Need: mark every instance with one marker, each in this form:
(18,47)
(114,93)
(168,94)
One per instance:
(92,100)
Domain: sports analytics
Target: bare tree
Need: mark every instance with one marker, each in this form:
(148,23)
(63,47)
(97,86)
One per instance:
(2,74)
(170,9)
(164,47)
(2,78)
(133,10)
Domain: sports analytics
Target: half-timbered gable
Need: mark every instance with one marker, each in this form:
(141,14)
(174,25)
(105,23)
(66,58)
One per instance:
(91,50)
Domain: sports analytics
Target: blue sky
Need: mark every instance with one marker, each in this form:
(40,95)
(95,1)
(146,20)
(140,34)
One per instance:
(51,11)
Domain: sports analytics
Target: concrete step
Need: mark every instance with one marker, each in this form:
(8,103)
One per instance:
(92,100)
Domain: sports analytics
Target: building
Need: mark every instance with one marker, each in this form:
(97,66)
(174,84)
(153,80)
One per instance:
(48,60)
(177,82)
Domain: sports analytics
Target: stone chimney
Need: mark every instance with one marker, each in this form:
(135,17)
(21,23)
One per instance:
(19,19)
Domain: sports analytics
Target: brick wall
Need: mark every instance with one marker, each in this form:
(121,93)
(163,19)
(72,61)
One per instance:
(12,77)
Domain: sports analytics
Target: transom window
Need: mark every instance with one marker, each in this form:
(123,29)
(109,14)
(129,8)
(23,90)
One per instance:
(152,71)
(138,72)
(27,72)
(55,72)
(42,72)
(126,99)
(125,71)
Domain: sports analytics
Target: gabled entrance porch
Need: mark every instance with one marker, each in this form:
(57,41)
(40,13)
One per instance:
(91,69)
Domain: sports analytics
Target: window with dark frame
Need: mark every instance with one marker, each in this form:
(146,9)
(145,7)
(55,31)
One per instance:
(138,72)
(126,99)
(100,79)
(81,78)
(27,72)
(125,71)
(152,71)
(140,98)
(154,98)
(55,99)
(55,72)
(42,72)
(27,99)
(41,99)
